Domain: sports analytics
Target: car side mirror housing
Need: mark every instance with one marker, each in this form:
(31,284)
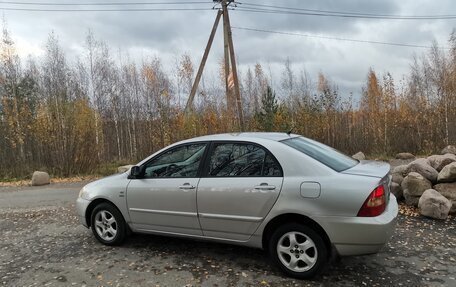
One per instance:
(135,172)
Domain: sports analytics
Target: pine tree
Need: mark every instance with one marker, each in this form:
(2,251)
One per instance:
(266,116)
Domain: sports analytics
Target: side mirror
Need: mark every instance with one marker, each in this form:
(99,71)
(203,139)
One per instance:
(135,172)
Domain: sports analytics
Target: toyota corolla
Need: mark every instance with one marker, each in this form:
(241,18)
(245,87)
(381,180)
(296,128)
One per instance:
(296,198)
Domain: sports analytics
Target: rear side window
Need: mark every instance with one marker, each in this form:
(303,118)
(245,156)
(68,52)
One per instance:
(242,160)
(323,153)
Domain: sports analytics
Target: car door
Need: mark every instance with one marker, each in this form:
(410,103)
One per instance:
(241,184)
(164,198)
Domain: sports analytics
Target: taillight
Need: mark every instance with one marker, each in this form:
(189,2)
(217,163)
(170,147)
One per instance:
(375,204)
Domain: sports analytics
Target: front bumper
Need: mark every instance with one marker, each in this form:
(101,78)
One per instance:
(81,207)
(361,235)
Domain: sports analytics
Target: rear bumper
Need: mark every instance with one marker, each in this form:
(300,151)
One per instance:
(81,207)
(361,235)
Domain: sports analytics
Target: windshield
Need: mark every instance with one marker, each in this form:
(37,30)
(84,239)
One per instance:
(323,153)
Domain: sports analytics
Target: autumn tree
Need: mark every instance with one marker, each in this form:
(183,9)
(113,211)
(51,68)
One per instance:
(18,96)
(69,116)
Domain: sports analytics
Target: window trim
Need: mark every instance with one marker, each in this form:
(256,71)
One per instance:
(205,171)
(200,167)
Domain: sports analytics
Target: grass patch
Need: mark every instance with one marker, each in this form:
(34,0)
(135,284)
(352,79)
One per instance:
(12,179)
(101,170)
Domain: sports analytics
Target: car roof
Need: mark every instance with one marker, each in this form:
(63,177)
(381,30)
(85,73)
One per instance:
(245,136)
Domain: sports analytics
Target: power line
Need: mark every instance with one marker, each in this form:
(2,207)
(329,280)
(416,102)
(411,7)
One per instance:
(270,11)
(105,10)
(251,7)
(104,3)
(337,38)
(341,15)
(343,12)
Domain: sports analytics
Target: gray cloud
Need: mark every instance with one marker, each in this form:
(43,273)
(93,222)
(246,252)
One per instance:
(169,33)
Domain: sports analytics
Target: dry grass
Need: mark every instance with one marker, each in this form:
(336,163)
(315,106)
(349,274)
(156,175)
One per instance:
(28,182)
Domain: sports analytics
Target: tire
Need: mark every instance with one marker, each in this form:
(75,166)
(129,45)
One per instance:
(298,251)
(108,224)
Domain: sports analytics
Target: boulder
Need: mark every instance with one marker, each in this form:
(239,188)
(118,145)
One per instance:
(404,155)
(40,178)
(396,190)
(397,178)
(359,156)
(438,162)
(411,200)
(449,149)
(448,173)
(416,184)
(401,169)
(413,186)
(422,167)
(124,168)
(449,191)
(433,204)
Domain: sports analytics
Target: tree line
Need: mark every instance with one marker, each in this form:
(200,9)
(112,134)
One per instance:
(68,117)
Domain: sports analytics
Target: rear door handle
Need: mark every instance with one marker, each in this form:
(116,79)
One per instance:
(265,187)
(186,186)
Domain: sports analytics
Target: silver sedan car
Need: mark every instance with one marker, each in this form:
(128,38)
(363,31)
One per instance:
(296,198)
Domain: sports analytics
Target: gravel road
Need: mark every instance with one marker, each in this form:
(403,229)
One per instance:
(42,244)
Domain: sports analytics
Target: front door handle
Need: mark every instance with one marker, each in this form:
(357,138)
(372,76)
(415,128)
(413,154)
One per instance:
(264,186)
(186,186)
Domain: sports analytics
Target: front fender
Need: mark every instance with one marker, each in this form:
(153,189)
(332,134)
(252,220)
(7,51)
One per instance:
(111,189)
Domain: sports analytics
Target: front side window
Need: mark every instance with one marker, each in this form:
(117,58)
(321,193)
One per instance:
(242,160)
(182,161)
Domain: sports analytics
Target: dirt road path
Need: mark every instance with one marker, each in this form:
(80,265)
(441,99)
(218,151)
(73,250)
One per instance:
(43,244)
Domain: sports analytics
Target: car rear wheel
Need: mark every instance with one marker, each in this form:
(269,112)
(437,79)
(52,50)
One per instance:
(108,224)
(298,250)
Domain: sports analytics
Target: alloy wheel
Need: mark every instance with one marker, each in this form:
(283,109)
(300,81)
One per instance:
(297,251)
(105,225)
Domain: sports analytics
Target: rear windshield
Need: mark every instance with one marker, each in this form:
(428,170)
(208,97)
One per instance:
(323,153)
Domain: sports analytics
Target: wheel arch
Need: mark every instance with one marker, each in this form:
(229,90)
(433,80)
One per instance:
(294,218)
(93,204)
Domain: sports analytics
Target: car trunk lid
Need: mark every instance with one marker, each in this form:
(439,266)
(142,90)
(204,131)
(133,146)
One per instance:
(369,168)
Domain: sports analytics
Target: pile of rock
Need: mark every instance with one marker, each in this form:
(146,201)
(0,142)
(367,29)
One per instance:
(428,183)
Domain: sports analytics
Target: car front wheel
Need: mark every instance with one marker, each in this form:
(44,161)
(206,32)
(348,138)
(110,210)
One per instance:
(298,251)
(108,224)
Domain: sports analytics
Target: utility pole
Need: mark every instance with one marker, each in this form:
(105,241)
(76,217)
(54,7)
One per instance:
(237,92)
(188,107)
(226,48)
(231,76)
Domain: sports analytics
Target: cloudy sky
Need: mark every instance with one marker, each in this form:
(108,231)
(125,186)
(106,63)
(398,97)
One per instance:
(170,33)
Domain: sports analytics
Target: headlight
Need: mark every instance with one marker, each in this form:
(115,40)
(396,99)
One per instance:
(83,193)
